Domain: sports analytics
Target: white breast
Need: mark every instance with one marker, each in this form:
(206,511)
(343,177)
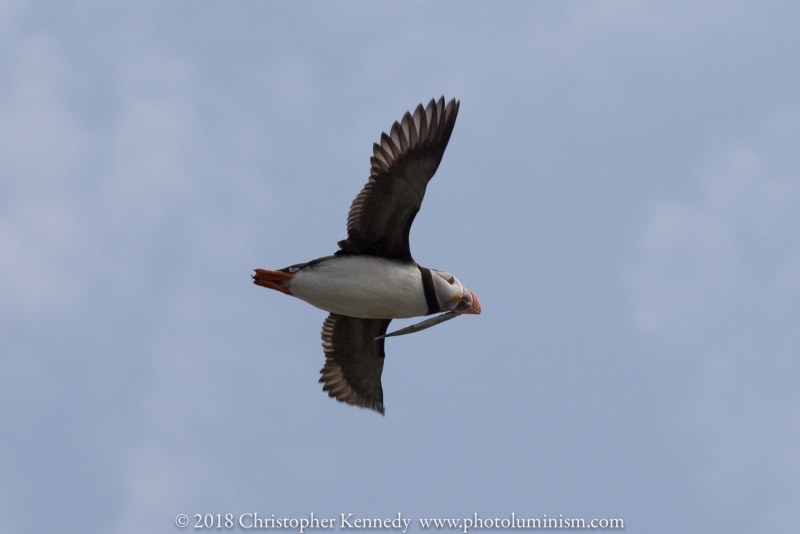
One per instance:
(362,286)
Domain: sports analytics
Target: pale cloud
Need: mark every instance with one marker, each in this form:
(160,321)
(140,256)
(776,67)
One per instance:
(43,149)
(159,474)
(652,21)
(296,86)
(591,36)
(42,143)
(699,255)
(8,13)
(750,431)
(154,479)
(61,222)
(152,144)
(716,292)
(67,226)
(37,244)
(581,40)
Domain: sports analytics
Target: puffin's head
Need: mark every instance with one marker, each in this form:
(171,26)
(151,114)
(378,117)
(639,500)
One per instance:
(453,296)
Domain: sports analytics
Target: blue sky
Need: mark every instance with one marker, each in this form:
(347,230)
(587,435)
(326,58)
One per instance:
(621,189)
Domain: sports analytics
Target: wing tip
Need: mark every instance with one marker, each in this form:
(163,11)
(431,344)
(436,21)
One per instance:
(344,395)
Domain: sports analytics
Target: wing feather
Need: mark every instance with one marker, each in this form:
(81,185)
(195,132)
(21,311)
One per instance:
(353,360)
(402,164)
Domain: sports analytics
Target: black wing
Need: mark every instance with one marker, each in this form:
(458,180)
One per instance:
(403,163)
(354,360)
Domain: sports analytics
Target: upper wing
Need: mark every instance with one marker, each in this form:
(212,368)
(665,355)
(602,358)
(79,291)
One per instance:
(353,360)
(405,160)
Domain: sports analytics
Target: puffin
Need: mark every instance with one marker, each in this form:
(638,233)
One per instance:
(373,278)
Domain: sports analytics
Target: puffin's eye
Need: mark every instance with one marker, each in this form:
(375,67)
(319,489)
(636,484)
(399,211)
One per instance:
(447,276)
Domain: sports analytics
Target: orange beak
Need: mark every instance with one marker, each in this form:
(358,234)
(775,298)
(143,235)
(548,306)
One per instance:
(475,309)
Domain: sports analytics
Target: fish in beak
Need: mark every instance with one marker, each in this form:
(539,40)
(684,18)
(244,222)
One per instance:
(467,305)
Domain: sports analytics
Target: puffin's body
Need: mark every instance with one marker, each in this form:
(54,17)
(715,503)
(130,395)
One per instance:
(362,286)
(373,279)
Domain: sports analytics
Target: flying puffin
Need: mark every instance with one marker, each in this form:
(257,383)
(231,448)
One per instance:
(372,278)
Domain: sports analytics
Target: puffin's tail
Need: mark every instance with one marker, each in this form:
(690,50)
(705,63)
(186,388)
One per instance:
(277,280)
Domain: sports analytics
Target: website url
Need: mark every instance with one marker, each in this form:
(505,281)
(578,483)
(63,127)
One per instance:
(475,522)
